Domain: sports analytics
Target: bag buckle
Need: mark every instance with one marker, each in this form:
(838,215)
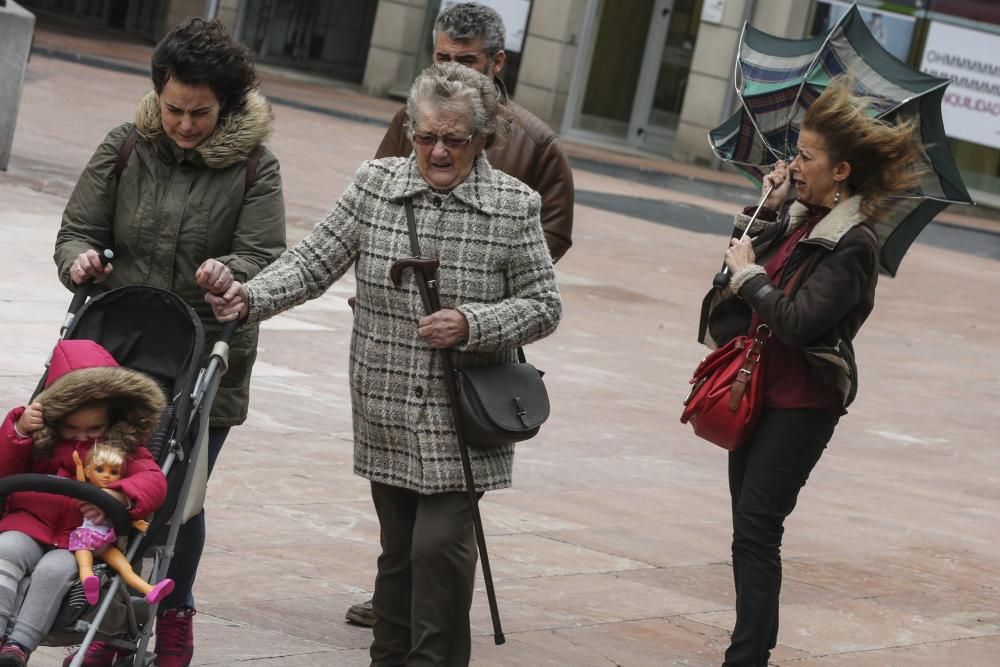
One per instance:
(520,411)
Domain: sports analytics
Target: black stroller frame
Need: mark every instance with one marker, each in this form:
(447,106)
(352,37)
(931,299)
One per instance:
(124,321)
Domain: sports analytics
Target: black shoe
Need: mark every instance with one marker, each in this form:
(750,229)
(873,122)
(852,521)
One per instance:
(362,614)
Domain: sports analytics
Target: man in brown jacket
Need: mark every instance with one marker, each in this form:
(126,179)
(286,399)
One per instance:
(473,35)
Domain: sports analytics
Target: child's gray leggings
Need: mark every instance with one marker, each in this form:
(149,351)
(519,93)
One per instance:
(52,573)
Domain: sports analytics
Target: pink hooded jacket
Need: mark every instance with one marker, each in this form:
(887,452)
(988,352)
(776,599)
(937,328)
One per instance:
(82,371)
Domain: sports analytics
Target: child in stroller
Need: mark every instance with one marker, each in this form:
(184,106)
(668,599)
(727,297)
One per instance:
(87,397)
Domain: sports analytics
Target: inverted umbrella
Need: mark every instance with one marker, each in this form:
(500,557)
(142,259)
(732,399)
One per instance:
(778,79)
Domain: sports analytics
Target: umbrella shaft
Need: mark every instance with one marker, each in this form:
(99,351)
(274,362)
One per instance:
(753,218)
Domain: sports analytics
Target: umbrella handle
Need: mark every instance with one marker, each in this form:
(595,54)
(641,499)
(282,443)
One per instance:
(721,279)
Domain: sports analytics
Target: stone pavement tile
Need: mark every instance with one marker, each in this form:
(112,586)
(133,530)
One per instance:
(333,658)
(873,574)
(499,518)
(255,444)
(527,556)
(264,483)
(659,543)
(648,642)
(220,641)
(516,617)
(714,582)
(236,527)
(602,598)
(974,611)
(599,507)
(349,562)
(314,618)
(266,575)
(960,652)
(860,625)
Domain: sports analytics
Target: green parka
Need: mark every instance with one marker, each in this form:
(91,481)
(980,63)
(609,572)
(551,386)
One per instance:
(175,208)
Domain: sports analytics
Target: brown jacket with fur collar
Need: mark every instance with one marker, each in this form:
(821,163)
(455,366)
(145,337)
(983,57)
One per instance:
(834,295)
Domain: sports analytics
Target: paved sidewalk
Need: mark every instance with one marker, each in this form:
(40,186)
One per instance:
(612,547)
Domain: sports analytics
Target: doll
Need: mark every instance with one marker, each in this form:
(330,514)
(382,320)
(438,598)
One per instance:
(104,466)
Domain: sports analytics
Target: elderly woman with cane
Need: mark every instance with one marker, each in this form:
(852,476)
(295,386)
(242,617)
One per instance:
(809,276)
(497,287)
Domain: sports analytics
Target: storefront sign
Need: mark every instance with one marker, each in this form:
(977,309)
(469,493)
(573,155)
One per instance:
(712,11)
(893,31)
(971,59)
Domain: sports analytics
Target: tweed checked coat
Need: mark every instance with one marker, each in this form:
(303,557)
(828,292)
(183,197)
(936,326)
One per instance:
(495,269)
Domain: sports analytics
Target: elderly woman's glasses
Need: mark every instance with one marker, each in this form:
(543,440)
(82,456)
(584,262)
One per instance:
(449,141)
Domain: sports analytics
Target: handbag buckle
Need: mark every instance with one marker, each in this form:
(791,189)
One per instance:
(520,411)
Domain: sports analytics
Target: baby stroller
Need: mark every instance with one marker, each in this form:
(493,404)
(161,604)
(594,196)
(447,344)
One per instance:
(153,331)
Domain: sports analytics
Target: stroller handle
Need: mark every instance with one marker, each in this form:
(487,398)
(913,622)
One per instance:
(229,330)
(83,290)
(63,486)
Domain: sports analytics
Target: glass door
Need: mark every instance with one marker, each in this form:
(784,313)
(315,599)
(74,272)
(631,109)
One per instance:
(673,29)
(629,84)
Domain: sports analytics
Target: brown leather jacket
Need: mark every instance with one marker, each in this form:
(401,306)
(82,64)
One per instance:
(532,156)
(833,297)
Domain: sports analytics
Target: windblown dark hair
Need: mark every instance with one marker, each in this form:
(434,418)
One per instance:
(885,157)
(199,51)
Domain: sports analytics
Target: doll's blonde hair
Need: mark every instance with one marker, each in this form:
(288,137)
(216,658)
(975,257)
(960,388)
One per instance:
(104,454)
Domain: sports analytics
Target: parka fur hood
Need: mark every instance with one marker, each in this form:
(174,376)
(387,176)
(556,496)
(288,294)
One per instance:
(82,371)
(234,138)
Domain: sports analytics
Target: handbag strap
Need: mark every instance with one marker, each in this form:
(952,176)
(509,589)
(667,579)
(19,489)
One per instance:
(756,347)
(411,224)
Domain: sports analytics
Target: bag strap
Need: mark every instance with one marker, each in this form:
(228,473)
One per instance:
(125,151)
(411,224)
(756,348)
(251,170)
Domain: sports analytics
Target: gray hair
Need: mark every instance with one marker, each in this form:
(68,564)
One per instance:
(459,89)
(469,21)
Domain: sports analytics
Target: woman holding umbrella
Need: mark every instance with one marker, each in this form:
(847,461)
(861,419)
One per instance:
(498,289)
(809,275)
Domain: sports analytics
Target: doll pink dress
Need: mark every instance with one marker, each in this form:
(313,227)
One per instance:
(92,536)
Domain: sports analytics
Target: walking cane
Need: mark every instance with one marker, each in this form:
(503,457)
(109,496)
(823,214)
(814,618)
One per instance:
(426,270)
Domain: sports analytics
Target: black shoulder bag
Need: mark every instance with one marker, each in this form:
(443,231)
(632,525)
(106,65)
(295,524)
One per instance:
(500,404)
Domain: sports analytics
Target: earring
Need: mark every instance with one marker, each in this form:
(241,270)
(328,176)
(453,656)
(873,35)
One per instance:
(836,197)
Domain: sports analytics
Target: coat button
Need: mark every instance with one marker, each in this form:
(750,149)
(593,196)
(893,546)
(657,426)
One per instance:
(437,201)
(419,391)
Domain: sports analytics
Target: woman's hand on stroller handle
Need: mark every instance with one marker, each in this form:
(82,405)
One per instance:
(231,305)
(91,265)
(214,276)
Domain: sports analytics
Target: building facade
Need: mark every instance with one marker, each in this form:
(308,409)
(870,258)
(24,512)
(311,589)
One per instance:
(652,76)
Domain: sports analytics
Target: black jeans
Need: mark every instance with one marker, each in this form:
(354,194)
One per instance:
(765,476)
(191,539)
(423,589)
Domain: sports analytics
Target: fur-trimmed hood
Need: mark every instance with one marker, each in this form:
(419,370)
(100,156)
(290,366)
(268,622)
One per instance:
(82,371)
(234,138)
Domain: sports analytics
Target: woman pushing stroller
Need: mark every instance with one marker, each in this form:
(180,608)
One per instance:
(88,399)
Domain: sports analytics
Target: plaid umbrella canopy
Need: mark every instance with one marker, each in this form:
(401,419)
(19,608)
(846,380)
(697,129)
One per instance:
(777,79)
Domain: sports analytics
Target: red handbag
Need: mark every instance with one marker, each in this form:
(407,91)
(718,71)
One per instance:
(727,392)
